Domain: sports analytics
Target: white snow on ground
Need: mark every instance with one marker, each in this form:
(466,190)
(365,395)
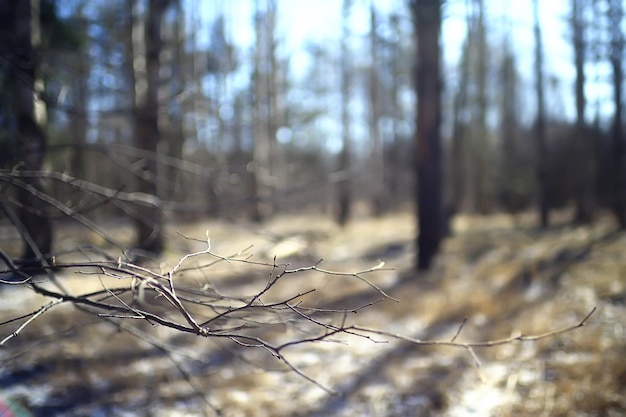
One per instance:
(483,397)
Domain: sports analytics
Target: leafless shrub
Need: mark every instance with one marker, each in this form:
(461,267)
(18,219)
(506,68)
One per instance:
(129,293)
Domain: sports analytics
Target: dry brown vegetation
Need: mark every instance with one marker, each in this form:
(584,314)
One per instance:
(503,276)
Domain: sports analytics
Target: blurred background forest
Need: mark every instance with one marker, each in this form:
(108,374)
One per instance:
(311,130)
(170,109)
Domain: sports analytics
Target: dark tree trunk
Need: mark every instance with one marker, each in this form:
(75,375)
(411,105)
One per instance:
(31,139)
(344,195)
(616,13)
(427,20)
(179,83)
(482,188)
(584,195)
(148,221)
(540,127)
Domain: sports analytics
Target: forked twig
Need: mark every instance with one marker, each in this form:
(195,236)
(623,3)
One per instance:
(32,318)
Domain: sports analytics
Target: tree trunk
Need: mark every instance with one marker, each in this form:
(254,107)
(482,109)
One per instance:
(392,163)
(509,194)
(461,167)
(344,194)
(480,149)
(78,116)
(177,89)
(376,163)
(584,194)
(262,170)
(470,145)
(427,20)
(260,155)
(540,127)
(31,140)
(146,64)
(616,13)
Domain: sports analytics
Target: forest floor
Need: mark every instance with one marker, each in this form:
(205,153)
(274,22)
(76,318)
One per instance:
(499,272)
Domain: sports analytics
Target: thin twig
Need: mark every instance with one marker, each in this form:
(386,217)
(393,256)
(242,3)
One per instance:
(458,331)
(34,316)
(488,343)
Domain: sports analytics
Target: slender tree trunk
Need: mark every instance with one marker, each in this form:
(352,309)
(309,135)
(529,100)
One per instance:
(259,153)
(481,144)
(79,114)
(344,193)
(540,127)
(260,176)
(238,157)
(508,193)
(427,20)
(79,122)
(175,89)
(461,165)
(193,106)
(376,163)
(146,64)
(465,146)
(393,169)
(616,13)
(585,176)
(275,117)
(31,139)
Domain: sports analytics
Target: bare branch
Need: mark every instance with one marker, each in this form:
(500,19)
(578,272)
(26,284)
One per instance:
(33,317)
(207,313)
(471,345)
